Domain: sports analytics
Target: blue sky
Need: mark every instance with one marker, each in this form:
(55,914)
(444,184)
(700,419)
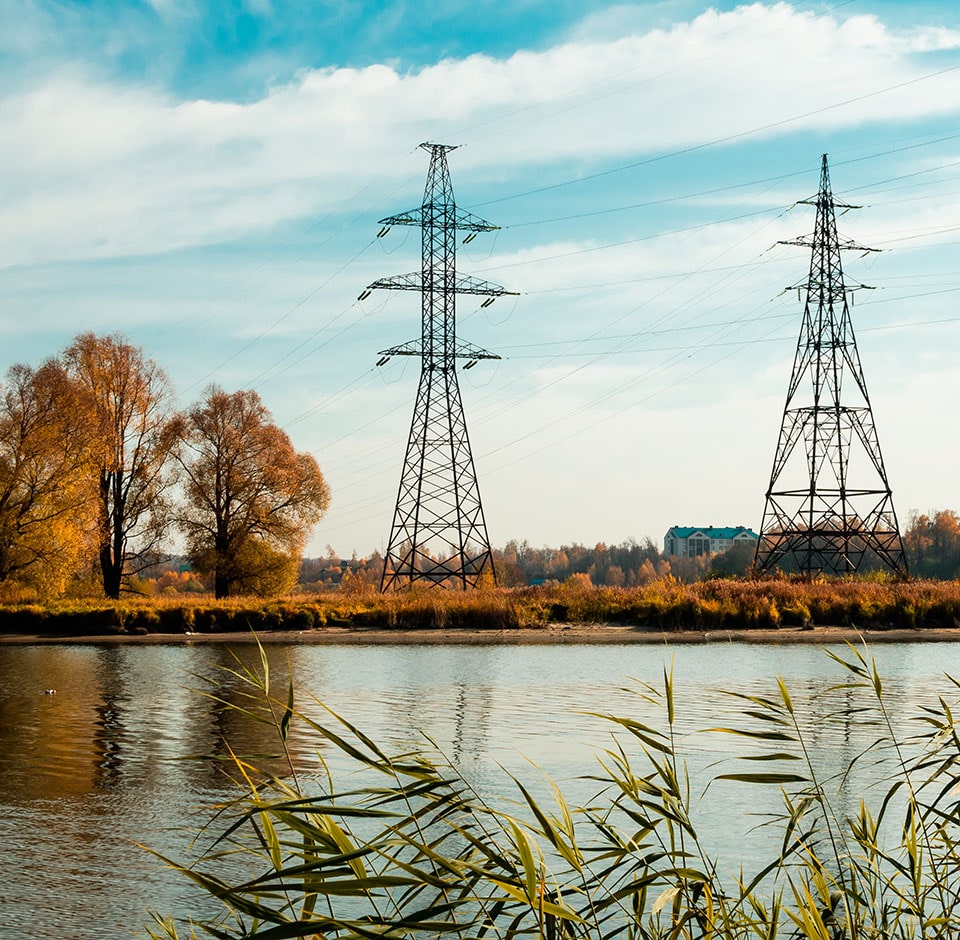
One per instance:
(207,179)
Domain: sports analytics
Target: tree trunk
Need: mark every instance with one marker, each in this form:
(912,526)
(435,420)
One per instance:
(112,573)
(221,585)
(111,537)
(221,581)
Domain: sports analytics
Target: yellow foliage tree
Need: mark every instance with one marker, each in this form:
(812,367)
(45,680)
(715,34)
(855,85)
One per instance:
(47,501)
(129,399)
(250,498)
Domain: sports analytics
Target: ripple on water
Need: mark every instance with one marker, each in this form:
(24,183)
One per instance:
(87,773)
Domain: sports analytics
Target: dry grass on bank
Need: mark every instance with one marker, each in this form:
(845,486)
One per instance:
(666,604)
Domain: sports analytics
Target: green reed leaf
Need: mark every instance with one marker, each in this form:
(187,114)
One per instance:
(778,778)
(287,712)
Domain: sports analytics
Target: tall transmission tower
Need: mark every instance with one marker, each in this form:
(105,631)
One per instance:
(438,534)
(829,506)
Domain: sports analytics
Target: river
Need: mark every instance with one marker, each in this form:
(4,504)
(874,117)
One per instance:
(93,741)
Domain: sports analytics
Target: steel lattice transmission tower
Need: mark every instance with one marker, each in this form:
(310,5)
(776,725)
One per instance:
(438,534)
(829,506)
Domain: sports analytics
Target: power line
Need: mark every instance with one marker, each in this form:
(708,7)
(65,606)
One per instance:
(684,197)
(330,399)
(707,224)
(652,78)
(280,319)
(383,497)
(730,138)
(276,254)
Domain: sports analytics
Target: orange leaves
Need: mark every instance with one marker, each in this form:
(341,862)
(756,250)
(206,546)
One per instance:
(251,499)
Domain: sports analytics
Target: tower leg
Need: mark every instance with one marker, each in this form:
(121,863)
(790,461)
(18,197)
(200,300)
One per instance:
(438,534)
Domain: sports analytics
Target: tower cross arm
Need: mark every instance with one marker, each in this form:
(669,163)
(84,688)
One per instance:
(815,201)
(412,217)
(413,348)
(468,222)
(814,284)
(413,281)
(464,350)
(464,285)
(463,221)
(844,244)
(474,285)
(467,350)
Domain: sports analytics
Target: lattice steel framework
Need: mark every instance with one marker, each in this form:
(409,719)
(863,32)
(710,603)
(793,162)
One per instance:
(438,534)
(829,507)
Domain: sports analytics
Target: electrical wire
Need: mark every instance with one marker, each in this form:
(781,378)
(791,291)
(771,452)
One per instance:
(729,138)
(283,317)
(700,226)
(652,78)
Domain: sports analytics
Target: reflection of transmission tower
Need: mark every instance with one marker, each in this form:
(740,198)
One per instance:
(828,505)
(438,531)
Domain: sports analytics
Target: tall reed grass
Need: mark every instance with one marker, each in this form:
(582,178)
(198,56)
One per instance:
(403,847)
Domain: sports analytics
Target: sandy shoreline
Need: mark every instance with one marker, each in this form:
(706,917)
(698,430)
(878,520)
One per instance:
(576,633)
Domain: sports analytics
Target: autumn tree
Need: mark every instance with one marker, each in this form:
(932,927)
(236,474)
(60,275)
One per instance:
(250,498)
(129,398)
(646,572)
(932,543)
(46,496)
(917,541)
(735,562)
(614,576)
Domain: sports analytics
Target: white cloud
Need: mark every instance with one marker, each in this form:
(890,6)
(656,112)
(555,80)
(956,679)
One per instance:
(173,9)
(626,19)
(103,170)
(259,7)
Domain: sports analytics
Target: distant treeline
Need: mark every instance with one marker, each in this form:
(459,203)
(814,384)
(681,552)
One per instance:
(519,564)
(931,541)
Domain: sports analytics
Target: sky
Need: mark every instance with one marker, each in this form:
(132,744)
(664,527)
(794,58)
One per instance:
(207,179)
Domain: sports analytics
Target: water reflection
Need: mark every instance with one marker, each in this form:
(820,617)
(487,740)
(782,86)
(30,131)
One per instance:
(100,765)
(48,748)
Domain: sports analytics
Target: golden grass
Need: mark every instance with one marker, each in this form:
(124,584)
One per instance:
(666,604)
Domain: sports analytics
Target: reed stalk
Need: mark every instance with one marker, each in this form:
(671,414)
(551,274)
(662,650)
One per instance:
(407,848)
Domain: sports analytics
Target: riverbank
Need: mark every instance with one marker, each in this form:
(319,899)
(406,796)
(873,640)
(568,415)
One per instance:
(579,633)
(771,610)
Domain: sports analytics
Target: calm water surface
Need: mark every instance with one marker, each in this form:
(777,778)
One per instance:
(90,772)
